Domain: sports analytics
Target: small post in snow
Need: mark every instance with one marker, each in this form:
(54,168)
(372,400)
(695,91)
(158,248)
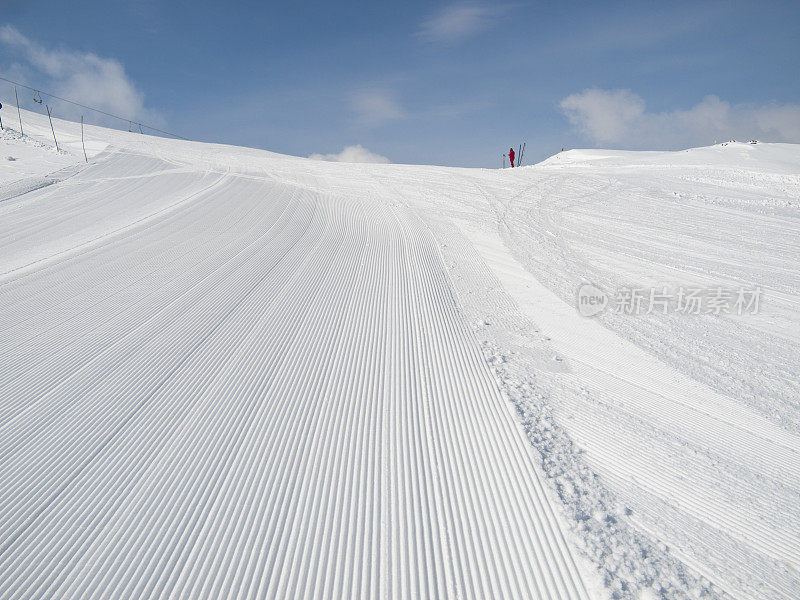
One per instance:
(82,144)
(504,160)
(51,126)
(18,113)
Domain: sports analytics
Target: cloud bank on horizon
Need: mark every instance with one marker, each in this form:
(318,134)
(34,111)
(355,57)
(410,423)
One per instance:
(352,154)
(620,118)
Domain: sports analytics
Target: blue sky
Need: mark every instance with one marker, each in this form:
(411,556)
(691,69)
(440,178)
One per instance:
(451,83)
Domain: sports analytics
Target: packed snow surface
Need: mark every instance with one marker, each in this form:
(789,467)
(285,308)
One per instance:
(227,373)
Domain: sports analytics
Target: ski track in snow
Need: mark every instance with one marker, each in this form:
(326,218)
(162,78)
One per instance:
(226,385)
(231,374)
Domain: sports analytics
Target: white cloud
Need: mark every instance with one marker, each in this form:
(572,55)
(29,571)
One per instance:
(352,154)
(458,21)
(602,114)
(80,76)
(619,117)
(375,107)
(780,122)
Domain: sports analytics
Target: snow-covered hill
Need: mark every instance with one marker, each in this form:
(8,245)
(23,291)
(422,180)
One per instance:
(227,373)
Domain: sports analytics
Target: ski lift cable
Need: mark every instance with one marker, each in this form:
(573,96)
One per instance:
(97,110)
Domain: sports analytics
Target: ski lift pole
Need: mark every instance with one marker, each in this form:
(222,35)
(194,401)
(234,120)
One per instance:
(51,126)
(18,112)
(82,144)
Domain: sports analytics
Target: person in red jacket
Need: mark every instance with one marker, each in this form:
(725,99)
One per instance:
(511,156)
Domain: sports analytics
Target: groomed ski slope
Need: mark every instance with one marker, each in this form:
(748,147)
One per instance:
(227,373)
(225,384)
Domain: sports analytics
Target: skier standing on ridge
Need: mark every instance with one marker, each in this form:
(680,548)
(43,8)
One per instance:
(511,156)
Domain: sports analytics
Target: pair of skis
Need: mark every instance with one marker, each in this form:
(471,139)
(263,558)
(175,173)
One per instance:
(518,157)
